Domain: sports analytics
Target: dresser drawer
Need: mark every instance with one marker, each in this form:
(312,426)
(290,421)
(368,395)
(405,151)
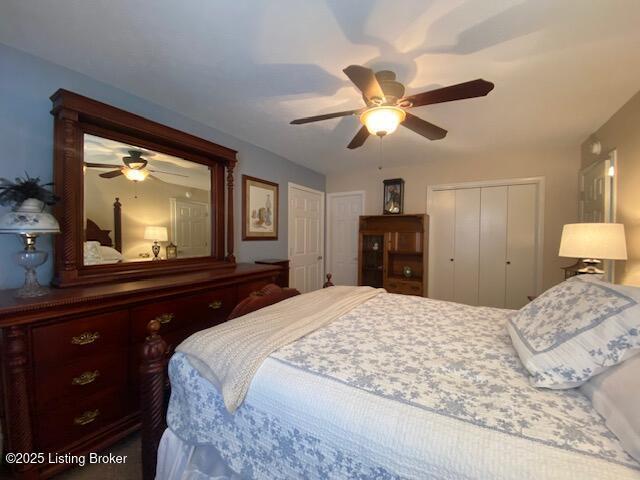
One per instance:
(404,287)
(213,306)
(61,426)
(81,337)
(85,377)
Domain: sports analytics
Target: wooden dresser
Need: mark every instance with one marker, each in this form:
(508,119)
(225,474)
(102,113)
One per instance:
(70,360)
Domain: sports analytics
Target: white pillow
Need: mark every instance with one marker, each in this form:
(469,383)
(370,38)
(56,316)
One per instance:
(615,394)
(92,253)
(576,330)
(109,254)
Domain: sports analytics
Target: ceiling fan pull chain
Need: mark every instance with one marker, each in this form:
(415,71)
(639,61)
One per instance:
(380,154)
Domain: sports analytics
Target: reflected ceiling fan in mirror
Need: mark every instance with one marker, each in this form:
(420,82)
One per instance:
(134,167)
(386,106)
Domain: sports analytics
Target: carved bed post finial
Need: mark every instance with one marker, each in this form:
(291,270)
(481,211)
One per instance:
(18,409)
(328,283)
(117,225)
(230,235)
(152,385)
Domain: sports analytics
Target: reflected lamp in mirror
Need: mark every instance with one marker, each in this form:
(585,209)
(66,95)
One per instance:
(29,221)
(593,242)
(157,234)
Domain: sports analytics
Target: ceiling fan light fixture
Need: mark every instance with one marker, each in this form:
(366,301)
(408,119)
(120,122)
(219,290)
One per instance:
(382,120)
(135,175)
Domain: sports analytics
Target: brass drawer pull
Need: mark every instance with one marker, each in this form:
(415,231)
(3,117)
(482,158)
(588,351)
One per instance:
(85,378)
(165,318)
(215,305)
(85,338)
(87,417)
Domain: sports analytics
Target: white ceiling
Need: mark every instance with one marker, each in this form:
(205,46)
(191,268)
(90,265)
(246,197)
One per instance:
(247,67)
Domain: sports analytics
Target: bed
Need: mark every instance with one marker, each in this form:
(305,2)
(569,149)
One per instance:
(98,246)
(400,387)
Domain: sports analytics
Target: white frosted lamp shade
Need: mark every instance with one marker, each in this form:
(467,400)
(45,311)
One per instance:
(23,223)
(157,234)
(382,120)
(605,241)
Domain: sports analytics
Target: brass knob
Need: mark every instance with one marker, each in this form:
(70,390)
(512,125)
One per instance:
(85,378)
(87,417)
(85,338)
(215,305)
(165,318)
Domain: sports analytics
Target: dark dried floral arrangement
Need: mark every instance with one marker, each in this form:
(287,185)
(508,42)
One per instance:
(16,192)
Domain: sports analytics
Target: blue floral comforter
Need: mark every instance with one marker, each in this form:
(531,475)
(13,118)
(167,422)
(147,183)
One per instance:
(401,387)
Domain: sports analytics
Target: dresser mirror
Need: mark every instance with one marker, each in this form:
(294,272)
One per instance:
(138,202)
(139,198)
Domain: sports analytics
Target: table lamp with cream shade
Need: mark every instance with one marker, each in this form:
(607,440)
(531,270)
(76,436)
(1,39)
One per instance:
(157,234)
(592,242)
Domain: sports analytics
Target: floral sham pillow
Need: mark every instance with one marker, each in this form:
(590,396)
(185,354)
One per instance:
(576,330)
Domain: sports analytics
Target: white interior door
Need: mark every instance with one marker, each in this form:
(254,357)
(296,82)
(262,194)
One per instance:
(522,232)
(306,238)
(594,193)
(466,246)
(441,246)
(344,210)
(190,228)
(493,246)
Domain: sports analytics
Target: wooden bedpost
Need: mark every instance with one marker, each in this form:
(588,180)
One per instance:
(152,383)
(117,225)
(328,283)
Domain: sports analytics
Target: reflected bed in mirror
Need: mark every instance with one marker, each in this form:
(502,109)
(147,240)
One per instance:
(151,189)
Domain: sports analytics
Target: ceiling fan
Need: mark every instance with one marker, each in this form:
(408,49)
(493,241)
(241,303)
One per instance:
(134,167)
(386,106)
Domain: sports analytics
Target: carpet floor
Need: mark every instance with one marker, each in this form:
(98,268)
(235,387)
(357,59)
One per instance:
(130,470)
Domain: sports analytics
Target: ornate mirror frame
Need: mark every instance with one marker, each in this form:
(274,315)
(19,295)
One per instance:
(75,115)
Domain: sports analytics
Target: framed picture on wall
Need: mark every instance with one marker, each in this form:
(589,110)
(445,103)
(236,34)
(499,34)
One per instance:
(393,196)
(259,209)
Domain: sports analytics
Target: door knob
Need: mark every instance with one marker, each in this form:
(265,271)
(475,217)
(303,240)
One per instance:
(451,259)
(508,262)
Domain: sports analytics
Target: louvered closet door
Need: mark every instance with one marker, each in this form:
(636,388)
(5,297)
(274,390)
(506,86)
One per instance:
(441,234)
(493,246)
(521,244)
(466,246)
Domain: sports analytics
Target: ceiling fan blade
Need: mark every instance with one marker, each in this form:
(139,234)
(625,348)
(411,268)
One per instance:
(111,174)
(100,165)
(472,89)
(365,80)
(359,139)
(424,128)
(326,116)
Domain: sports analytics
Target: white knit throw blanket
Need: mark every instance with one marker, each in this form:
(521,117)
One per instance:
(228,355)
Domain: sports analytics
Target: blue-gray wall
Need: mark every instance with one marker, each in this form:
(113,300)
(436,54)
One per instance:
(26,144)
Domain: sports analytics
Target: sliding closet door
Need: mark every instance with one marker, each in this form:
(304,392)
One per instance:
(441,234)
(466,246)
(493,246)
(521,244)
